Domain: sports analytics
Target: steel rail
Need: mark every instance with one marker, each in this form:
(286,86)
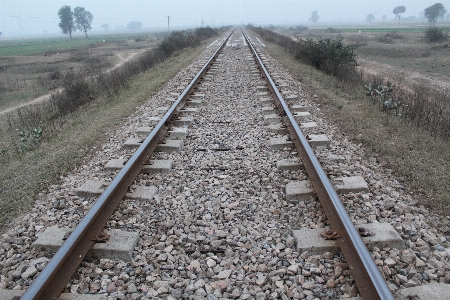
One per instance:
(370,283)
(51,281)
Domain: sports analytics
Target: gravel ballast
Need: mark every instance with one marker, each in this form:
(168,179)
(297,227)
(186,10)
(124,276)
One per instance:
(220,226)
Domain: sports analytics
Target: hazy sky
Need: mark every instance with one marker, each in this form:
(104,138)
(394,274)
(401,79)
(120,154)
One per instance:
(37,16)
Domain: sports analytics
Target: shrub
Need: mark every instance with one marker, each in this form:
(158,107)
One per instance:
(332,30)
(394,35)
(434,34)
(54,75)
(328,55)
(385,39)
(79,90)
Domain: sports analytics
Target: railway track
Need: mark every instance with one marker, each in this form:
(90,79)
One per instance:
(217,223)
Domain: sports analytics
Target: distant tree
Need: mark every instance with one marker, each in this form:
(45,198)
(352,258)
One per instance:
(384,18)
(398,11)
(66,23)
(370,18)
(442,13)
(83,19)
(134,25)
(314,17)
(0,34)
(432,12)
(105,26)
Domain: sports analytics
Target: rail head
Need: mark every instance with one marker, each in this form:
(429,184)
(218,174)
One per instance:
(51,281)
(366,274)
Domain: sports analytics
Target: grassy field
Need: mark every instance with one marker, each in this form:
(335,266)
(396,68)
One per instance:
(419,161)
(13,47)
(22,179)
(401,53)
(31,68)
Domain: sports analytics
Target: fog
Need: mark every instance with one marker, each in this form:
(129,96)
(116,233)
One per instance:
(28,17)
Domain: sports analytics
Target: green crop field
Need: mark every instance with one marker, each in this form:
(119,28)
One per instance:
(31,46)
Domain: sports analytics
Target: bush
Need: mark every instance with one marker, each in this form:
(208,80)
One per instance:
(434,34)
(42,120)
(332,30)
(394,35)
(330,56)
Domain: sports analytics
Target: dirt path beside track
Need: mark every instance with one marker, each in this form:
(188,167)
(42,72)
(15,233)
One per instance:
(121,59)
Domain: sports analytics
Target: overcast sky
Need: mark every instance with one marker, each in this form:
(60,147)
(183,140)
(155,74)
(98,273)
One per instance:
(37,16)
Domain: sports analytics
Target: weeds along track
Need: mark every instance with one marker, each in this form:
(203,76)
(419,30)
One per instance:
(222,208)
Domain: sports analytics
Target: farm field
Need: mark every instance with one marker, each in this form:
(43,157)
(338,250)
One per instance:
(31,68)
(399,53)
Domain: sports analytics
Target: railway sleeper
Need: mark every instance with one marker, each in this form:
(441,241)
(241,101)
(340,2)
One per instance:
(169,146)
(96,187)
(15,295)
(177,133)
(154,166)
(265,101)
(289,165)
(194,103)
(313,240)
(119,246)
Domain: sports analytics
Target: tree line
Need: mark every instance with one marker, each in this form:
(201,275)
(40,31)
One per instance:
(81,19)
(432,13)
(70,20)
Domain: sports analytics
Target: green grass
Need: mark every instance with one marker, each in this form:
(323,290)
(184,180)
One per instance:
(383,29)
(15,98)
(31,46)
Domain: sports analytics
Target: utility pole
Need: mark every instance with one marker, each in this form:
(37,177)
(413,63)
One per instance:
(168,18)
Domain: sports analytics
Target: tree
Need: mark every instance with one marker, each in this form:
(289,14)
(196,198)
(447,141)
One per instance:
(432,12)
(83,19)
(105,26)
(66,23)
(442,13)
(398,11)
(134,25)
(314,17)
(370,18)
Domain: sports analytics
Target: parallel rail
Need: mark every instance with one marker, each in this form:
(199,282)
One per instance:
(370,283)
(57,273)
(52,280)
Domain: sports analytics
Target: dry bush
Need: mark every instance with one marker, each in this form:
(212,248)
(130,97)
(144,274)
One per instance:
(385,39)
(435,34)
(80,89)
(394,35)
(424,106)
(328,55)
(359,39)
(332,30)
